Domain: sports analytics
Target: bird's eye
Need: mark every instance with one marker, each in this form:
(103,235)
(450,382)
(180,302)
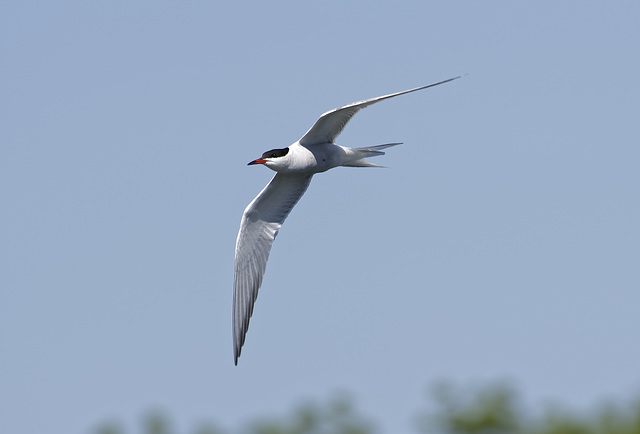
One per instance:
(274,155)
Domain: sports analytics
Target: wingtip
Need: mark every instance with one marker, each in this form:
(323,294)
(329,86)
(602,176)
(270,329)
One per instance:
(452,78)
(458,76)
(432,84)
(236,351)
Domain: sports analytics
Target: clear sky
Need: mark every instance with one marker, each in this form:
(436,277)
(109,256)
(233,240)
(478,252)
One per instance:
(503,241)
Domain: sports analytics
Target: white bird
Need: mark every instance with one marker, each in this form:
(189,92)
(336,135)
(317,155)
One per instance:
(315,152)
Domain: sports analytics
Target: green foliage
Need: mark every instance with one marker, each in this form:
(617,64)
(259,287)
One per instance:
(336,417)
(496,409)
(492,409)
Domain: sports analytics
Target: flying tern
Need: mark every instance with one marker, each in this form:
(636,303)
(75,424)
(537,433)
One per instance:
(315,152)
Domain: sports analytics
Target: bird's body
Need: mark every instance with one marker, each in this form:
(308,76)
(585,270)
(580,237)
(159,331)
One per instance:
(314,153)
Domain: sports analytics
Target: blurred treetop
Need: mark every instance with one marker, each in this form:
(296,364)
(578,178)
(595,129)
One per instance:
(492,409)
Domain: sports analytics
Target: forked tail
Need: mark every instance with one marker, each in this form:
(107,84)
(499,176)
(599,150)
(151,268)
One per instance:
(370,151)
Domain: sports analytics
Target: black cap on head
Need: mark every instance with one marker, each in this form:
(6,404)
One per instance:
(275,153)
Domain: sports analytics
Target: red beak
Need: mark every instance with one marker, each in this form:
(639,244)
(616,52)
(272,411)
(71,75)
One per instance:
(258,161)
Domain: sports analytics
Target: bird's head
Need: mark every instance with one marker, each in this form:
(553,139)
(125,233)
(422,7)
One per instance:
(273,159)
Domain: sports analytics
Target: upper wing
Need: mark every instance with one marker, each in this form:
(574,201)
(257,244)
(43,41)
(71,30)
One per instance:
(329,126)
(260,224)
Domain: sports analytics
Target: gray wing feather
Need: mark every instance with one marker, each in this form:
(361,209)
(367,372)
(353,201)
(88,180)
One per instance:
(329,126)
(261,221)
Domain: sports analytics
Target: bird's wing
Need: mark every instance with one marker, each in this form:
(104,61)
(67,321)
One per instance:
(260,224)
(329,126)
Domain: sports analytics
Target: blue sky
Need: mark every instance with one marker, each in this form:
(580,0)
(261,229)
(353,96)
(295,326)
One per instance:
(501,242)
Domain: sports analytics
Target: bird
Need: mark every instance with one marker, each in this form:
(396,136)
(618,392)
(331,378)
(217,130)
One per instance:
(295,165)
